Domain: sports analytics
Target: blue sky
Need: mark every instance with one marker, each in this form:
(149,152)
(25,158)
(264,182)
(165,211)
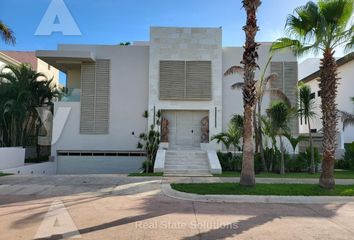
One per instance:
(114,21)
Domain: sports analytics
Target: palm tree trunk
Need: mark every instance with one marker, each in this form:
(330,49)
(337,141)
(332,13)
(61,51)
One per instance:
(255,128)
(247,173)
(261,150)
(312,168)
(249,91)
(328,85)
(282,161)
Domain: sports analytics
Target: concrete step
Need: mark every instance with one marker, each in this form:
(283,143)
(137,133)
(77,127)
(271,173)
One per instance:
(191,162)
(196,168)
(186,163)
(187,175)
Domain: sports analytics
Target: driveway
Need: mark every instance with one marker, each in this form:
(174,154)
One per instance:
(120,207)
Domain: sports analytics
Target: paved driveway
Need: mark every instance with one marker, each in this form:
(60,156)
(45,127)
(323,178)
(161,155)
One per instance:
(119,207)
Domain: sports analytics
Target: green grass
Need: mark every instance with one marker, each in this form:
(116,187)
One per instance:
(339,174)
(263,189)
(145,174)
(4,174)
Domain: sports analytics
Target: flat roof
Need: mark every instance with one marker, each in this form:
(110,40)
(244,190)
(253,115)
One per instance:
(341,61)
(63,59)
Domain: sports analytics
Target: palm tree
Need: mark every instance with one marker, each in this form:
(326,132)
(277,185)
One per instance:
(294,141)
(233,135)
(261,88)
(21,91)
(322,27)
(280,114)
(307,106)
(269,132)
(249,97)
(7,34)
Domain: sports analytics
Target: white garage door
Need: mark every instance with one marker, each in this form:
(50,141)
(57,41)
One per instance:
(184,127)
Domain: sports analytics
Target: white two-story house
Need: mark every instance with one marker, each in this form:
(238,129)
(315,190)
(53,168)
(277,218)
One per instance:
(179,71)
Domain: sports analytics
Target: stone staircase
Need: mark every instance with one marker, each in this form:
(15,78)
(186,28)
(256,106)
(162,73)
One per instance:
(186,163)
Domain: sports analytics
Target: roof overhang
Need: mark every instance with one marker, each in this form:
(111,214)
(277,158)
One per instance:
(340,62)
(64,60)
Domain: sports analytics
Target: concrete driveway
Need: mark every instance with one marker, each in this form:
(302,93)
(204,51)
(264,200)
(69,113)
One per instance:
(120,207)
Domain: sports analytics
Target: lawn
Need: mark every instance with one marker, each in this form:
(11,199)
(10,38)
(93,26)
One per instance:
(339,174)
(4,174)
(263,189)
(145,174)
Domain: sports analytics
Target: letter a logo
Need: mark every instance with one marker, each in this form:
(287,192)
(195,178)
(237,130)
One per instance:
(58,19)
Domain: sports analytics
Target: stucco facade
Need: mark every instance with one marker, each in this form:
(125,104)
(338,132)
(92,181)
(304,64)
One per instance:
(135,75)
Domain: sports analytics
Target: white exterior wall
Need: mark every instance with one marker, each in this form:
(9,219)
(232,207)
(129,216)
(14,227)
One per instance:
(128,101)
(345,91)
(232,98)
(199,44)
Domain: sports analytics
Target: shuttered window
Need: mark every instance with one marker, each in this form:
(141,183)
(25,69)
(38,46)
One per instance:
(185,80)
(95,94)
(287,82)
(172,79)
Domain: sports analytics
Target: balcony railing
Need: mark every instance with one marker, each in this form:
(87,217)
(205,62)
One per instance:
(72,95)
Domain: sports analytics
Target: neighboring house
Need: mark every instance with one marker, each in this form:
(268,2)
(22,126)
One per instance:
(28,57)
(179,71)
(309,75)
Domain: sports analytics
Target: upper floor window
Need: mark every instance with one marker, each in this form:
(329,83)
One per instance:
(185,80)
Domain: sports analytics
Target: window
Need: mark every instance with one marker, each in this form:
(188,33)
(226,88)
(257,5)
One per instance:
(314,130)
(319,93)
(313,95)
(185,80)
(94,117)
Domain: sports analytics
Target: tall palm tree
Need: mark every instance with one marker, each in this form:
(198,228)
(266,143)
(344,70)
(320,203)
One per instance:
(250,56)
(322,27)
(7,34)
(280,114)
(307,106)
(261,88)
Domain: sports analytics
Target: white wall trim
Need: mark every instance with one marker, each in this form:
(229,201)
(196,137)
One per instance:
(160,161)
(214,163)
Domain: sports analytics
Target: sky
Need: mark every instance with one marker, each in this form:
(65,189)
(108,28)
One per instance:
(115,21)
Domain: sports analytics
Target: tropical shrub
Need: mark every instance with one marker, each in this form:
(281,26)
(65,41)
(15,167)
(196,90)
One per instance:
(150,142)
(348,159)
(22,90)
(230,162)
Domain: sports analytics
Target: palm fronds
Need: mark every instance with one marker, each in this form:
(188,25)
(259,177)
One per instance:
(234,70)
(7,34)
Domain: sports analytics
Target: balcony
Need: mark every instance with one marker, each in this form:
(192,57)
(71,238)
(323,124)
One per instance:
(72,95)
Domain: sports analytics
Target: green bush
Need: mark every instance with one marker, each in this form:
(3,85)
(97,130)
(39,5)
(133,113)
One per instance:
(229,162)
(348,159)
(298,164)
(147,164)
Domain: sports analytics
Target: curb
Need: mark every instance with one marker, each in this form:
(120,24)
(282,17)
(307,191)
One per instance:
(168,191)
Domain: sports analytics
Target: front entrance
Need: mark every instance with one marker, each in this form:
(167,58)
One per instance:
(184,127)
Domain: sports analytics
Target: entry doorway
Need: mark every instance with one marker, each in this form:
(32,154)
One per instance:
(184,127)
